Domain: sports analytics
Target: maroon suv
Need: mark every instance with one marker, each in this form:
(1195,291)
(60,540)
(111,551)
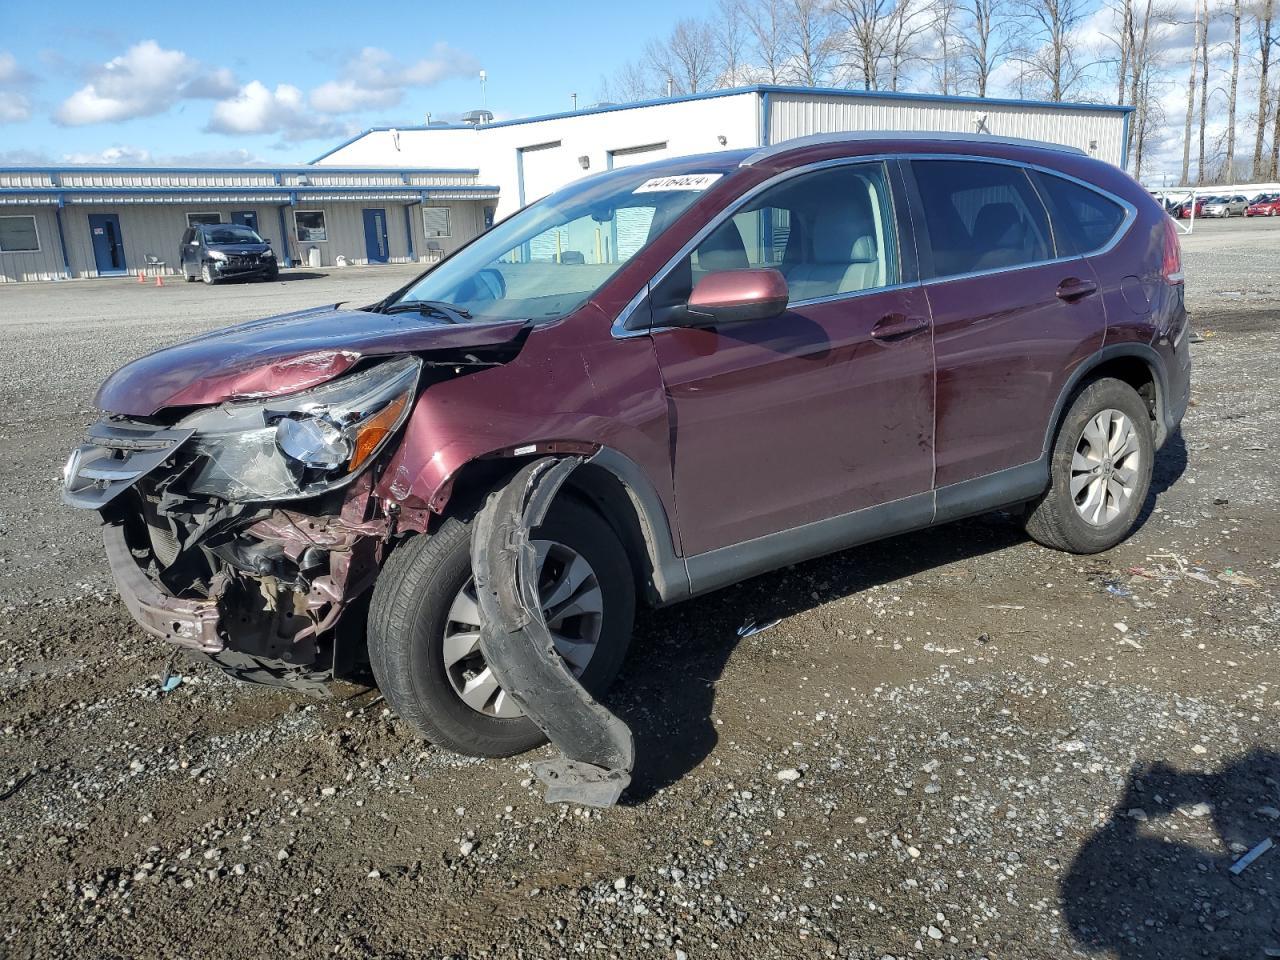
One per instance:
(757,358)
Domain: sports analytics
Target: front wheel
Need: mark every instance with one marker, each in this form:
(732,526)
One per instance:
(424,628)
(1100,471)
(206,274)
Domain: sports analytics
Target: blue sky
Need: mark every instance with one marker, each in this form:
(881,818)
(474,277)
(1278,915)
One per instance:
(86,82)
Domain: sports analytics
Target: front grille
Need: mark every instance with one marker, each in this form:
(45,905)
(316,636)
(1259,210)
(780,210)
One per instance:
(116,454)
(246,260)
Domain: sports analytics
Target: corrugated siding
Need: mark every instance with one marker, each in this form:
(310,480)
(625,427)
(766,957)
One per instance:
(797,115)
(44,264)
(147,230)
(466,220)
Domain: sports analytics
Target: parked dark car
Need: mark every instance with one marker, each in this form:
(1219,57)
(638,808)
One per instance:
(219,251)
(760,356)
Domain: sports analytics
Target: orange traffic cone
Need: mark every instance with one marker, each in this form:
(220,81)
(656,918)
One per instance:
(159,280)
(142,276)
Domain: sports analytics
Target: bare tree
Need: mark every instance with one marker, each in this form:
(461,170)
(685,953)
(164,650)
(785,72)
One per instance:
(730,35)
(1191,100)
(1273,169)
(908,24)
(766,22)
(866,38)
(947,65)
(1204,88)
(1055,60)
(687,56)
(1262,17)
(810,33)
(987,41)
(631,82)
(1229,167)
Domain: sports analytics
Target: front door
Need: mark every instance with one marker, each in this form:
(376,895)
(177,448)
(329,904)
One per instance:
(108,244)
(819,412)
(1012,315)
(375,235)
(247,218)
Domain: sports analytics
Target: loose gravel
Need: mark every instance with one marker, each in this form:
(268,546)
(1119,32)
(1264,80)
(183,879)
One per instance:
(952,744)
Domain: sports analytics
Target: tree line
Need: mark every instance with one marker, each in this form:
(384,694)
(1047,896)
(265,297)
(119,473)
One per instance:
(1136,52)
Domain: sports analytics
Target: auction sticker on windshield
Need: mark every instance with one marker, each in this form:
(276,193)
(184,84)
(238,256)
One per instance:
(688,181)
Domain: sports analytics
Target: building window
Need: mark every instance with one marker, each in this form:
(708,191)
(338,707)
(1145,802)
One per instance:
(196,218)
(435,221)
(309,226)
(18,235)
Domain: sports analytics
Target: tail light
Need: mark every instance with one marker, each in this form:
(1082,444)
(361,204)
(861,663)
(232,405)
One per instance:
(1171,268)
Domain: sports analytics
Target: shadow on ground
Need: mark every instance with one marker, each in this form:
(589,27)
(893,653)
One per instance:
(1139,896)
(679,654)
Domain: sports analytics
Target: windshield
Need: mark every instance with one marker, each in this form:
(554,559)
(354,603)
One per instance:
(231,233)
(547,260)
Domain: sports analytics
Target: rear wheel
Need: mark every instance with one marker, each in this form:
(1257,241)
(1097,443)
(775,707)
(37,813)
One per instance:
(1100,471)
(424,628)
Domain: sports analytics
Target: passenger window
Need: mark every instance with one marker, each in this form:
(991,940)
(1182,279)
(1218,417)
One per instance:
(829,232)
(981,216)
(1083,220)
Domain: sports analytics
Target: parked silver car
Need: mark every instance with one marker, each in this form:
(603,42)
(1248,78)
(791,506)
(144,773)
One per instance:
(1224,207)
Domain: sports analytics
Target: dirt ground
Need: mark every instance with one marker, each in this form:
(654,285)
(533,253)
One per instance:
(953,744)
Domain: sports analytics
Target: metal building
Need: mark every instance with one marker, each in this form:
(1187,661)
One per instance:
(415,193)
(530,158)
(104,221)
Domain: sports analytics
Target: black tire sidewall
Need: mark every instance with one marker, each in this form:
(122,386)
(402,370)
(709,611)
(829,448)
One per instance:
(1106,394)
(424,695)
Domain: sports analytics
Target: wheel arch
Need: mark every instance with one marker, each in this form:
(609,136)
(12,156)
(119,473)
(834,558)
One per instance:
(616,488)
(1136,364)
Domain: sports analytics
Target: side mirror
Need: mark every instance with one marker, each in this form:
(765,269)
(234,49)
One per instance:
(267,241)
(732,296)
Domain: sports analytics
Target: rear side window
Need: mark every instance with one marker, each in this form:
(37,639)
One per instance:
(1083,219)
(981,216)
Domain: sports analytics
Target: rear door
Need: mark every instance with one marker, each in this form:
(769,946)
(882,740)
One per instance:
(1013,316)
(823,410)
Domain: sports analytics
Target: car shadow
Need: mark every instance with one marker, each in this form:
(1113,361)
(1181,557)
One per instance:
(1132,893)
(289,275)
(668,687)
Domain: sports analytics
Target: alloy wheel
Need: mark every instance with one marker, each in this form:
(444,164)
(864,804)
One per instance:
(1105,468)
(573,605)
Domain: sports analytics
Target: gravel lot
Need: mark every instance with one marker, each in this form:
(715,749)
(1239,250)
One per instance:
(954,744)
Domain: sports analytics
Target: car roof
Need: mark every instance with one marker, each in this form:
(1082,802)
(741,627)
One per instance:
(897,137)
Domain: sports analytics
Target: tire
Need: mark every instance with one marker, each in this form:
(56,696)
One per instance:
(206,274)
(1056,520)
(271,275)
(409,616)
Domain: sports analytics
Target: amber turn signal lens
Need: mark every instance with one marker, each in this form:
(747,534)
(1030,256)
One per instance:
(371,433)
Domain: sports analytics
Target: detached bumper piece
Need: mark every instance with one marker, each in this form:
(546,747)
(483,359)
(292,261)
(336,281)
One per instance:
(597,749)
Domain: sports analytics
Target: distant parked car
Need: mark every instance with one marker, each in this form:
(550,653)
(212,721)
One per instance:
(215,251)
(1267,205)
(1183,210)
(1224,207)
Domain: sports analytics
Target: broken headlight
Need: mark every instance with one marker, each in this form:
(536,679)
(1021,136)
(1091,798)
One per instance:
(304,444)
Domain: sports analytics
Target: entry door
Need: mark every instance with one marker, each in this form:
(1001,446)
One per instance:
(375,235)
(247,218)
(108,244)
(822,411)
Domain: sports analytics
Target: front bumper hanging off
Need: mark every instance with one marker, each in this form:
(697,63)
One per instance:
(597,750)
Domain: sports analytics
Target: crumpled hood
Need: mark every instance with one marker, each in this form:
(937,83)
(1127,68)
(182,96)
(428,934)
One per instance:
(282,354)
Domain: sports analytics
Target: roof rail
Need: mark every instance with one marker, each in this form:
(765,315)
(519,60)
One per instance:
(859,136)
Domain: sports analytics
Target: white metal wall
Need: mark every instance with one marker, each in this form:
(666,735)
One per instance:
(686,127)
(1097,132)
(44,264)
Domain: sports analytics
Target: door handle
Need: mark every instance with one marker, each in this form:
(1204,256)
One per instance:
(1073,289)
(895,326)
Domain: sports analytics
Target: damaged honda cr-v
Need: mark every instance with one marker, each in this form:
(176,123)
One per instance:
(653,383)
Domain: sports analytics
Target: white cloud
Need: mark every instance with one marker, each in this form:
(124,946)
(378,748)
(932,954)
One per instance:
(15,106)
(124,156)
(374,78)
(257,109)
(147,79)
(140,156)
